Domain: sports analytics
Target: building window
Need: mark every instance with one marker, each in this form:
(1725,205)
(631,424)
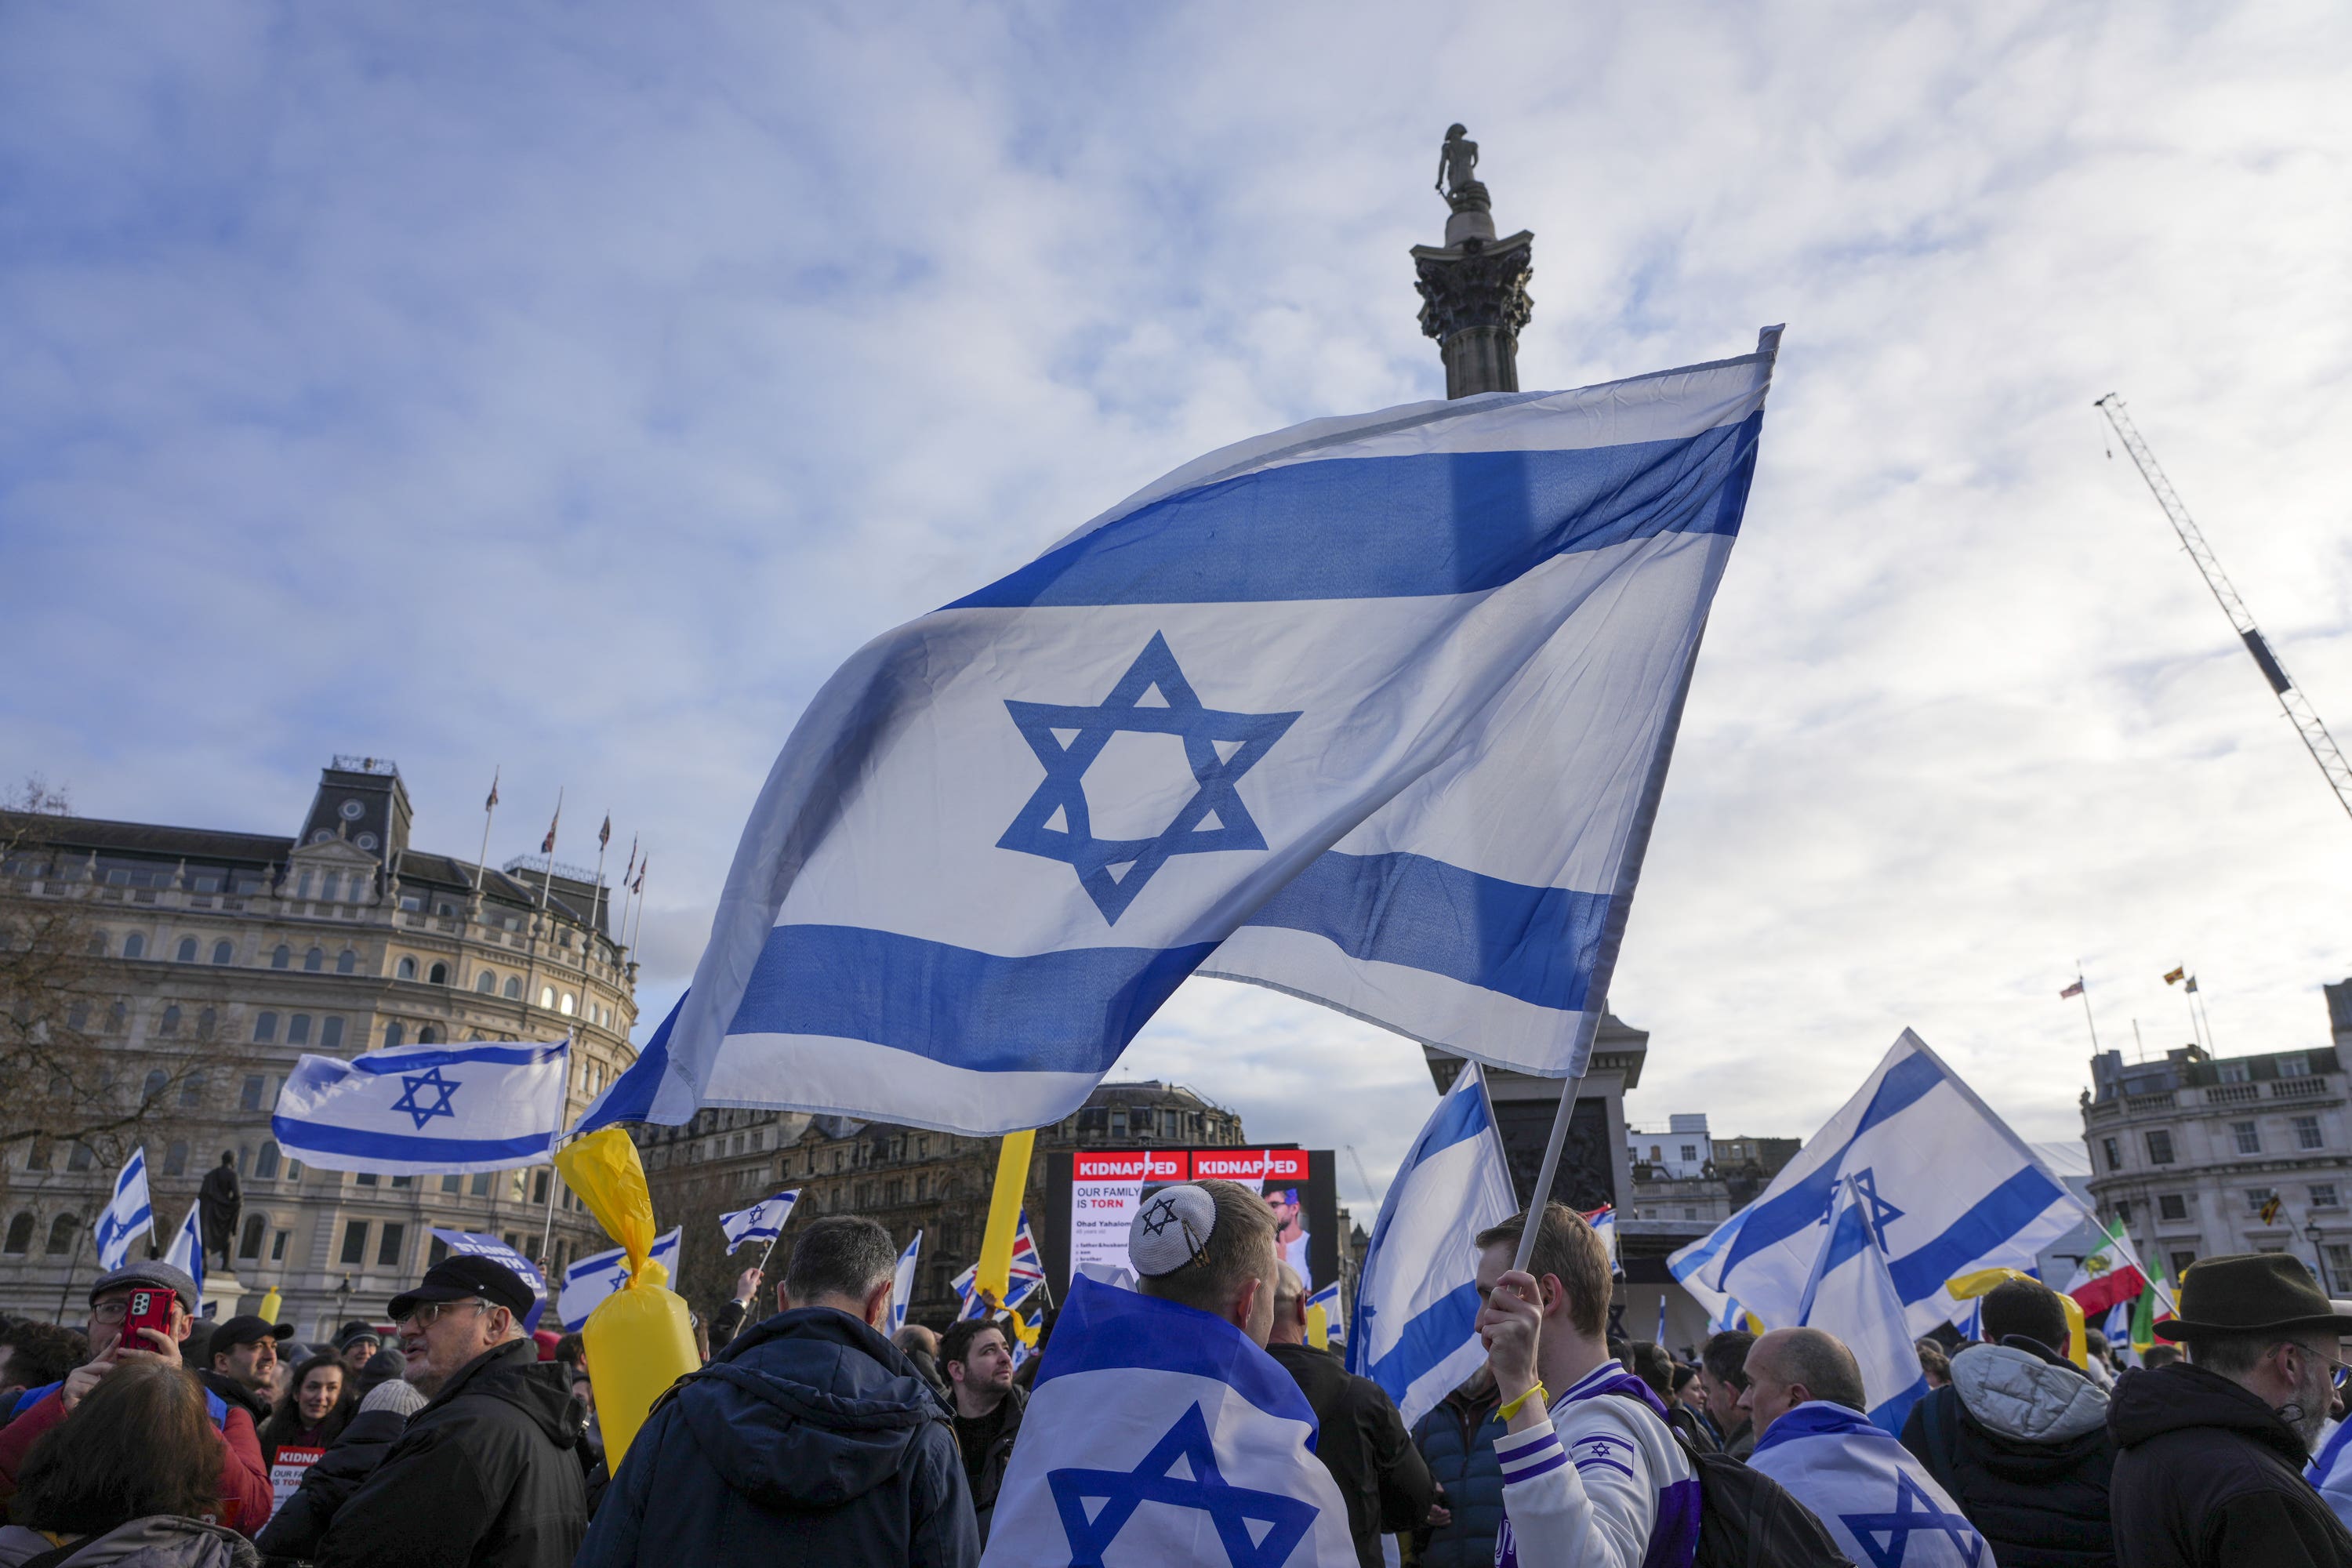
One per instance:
(451,1182)
(547,996)
(2256,1197)
(314,960)
(567,1004)
(134,946)
(2172,1206)
(223,953)
(298,1029)
(81,1157)
(391,1035)
(2249,1137)
(437,976)
(2159,1149)
(61,1235)
(176,1159)
(513,991)
(429,1035)
(191,1091)
(2114,1152)
(367,1178)
(411,903)
(434,1254)
(387,1250)
(480,1187)
(2323,1195)
(256,1227)
(2181,1262)
(487,984)
(265,1029)
(331,1034)
(2306,1133)
(277,1246)
(97,950)
(265,1167)
(2339,1267)
(2294,1067)
(281,957)
(170,1024)
(205,1020)
(407,970)
(153,1088)
(1690,1152)
(187,954)
(355,1241)
(20,1235)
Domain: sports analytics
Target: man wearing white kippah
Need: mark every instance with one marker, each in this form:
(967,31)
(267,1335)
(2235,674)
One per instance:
(1592,1473)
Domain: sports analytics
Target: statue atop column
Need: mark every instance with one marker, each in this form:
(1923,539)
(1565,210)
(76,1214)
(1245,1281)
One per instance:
(219,1201)
(1474,288)
(1457,163)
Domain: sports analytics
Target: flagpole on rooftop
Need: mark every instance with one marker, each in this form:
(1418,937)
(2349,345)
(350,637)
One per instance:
(547,879)
(596,905)
(490,809)
(2084,986)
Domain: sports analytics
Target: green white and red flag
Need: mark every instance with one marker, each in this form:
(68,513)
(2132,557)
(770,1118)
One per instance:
(2109,1275)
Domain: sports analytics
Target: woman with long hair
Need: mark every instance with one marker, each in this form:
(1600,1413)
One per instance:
(317,1407)
(127,1480)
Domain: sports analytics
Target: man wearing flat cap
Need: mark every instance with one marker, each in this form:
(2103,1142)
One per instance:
(485,1475)
(2210,1451)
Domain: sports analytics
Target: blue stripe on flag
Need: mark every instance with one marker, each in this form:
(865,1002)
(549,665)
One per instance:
(1102,1328)
(469,1056)
(381,1145)
(1537,944)
(2001,1214)
(1071,1011)
(1459,1116)
(1377,527)
(1435,1333)
(1805,1203)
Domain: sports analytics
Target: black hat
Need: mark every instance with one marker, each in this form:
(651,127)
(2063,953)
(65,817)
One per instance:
(2253,1293)
(247,1330)
(351,1334)
(464,1276)
(148,1272)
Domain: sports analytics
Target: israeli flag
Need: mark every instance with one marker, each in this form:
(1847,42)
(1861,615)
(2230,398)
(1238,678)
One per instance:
(420,1110)
(1375,711)
(587,1282)
(1950,1189)
(1604,1225)
(762,1222)
(128,1214)
(2330,1470)
(1852,1295)
(1158,1434)
(902,1284)
(496,1251)
(1881,1504)
(186,1254)
(1417,1293)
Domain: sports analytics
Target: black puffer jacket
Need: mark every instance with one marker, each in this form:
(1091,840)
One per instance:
(1362,1442)
(2019,1440)
(2208,1474)
(808,1439)
(295,1530)
(1457,1440)
(484,1477)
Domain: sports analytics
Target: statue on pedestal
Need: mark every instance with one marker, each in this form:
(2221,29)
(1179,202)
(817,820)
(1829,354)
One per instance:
(1457,163)
(219,1201)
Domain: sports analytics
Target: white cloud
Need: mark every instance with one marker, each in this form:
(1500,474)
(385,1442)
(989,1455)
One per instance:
(571,388)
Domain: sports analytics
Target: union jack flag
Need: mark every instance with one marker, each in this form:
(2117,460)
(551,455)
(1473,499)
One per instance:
(1026,1275)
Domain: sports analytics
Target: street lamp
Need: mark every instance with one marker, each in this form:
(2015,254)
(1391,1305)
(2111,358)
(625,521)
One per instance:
(2311,1233)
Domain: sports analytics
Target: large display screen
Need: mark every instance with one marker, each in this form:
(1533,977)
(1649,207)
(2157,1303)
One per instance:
(1093,1193)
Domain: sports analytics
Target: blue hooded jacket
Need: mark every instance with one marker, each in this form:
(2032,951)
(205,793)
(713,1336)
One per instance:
(810,1438)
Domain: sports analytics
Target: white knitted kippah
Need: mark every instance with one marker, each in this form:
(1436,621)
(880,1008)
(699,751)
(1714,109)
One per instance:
(1170,1229)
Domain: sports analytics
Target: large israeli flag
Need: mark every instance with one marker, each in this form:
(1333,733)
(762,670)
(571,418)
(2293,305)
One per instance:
(587,1282)
(1375,710)
(1156,1434)
(1417,1294)
(1950,1188)
(1851,1295)
(127,1214)
(186,1254)
(418,1109)
(762,1222)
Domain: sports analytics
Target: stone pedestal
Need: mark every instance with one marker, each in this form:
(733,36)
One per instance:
(223,1294)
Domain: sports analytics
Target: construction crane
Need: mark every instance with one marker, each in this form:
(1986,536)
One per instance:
(2299,711)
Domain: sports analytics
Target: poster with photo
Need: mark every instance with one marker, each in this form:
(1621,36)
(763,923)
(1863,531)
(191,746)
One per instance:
(1093,1194)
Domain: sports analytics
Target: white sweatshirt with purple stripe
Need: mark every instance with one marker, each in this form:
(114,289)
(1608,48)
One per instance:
(1600,1483)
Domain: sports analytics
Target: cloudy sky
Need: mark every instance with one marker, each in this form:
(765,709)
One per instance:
(569,388)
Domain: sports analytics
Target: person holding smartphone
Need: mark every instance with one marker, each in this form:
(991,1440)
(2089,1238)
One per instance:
(139,1315)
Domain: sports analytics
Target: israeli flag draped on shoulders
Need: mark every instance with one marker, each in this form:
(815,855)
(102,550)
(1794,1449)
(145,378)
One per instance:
(127,1214)
(762,1222)
(1158,1434)
(1880,1503)
(1950,1188)
(419,1109)
(587,1282)
(1375,710)
(1851,1296)
(1417,1294)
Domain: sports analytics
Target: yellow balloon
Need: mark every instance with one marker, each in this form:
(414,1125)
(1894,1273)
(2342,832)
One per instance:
(640,1339)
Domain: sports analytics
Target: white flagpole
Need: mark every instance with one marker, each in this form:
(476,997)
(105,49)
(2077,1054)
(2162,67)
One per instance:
(547,881)
(489,810)
(596,906)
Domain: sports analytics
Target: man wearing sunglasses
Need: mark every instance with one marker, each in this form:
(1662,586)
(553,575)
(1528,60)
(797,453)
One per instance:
(2210,1451)
(485,1474)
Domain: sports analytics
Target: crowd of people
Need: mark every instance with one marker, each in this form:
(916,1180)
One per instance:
(812,1435)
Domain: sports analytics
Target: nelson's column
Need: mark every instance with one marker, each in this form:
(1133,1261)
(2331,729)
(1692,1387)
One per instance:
(1474,288)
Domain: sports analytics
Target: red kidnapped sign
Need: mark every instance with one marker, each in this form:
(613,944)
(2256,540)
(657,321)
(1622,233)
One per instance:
(1131,1165)
(1249,1164)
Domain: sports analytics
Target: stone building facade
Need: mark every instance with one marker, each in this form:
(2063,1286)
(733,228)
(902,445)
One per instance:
(2200,1155)
(255,948)
(909,1178)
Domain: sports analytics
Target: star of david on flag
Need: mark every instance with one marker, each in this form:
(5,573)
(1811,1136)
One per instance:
(1158,1434)
(762,1222)
(1878,1502)
(422,1109)
(591,1278)
(128,1214)
(1375,711)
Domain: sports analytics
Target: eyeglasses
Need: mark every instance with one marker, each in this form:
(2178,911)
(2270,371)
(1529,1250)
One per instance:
(109,1312)
(2338,1371)
(424,1314)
